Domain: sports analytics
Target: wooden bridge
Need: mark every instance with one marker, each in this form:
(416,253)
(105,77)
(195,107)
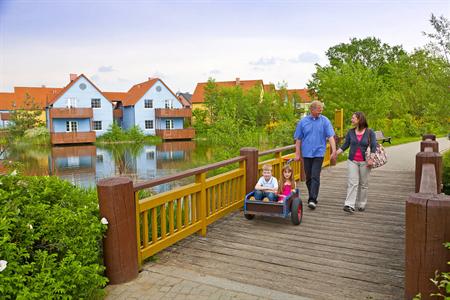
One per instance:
(331,255)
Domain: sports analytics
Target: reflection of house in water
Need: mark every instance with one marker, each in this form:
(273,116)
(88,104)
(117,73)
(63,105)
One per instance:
(173,155)
(75,164)
(104,164)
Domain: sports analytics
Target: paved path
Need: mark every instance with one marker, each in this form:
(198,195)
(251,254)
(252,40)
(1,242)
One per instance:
(331,255)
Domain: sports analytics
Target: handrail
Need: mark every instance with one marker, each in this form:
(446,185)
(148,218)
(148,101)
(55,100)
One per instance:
(187,173)
(281,149)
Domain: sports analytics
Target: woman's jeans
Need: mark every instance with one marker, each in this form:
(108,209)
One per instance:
(313,166)
(357,184)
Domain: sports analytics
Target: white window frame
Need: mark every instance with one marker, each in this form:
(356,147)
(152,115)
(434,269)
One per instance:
(71,126)
(71,102)
(99,102)
(168,103)
(151,122)
(150,103)
(169,124)
(96,122)
(150,155)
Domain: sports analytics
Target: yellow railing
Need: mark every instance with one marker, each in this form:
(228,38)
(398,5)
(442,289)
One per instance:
(164,219)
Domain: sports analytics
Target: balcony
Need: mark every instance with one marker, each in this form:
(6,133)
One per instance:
(70,113)
(59,138)
(176,134)
(84,150)
(173,113)
(5,116)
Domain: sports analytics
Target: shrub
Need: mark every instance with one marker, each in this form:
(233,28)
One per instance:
(446,172)
(50,238)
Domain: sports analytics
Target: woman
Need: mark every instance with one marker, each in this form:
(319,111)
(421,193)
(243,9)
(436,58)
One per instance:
(358,168)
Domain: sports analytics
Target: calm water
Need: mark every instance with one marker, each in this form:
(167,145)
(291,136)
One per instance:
(86,164)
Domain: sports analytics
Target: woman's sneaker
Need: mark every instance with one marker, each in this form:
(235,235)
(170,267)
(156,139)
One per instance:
(349,209)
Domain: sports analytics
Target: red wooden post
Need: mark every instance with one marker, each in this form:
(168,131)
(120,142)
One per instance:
(428,137)
(431,144)
(117,205)
(427,228)
(429,158)
(251,168)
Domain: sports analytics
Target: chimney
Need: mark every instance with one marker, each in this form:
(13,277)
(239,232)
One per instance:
(43,86)
(73,77)
(150,78)
(238,81)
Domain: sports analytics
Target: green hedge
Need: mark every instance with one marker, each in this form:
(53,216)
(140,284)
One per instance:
(50,240)
(446,173)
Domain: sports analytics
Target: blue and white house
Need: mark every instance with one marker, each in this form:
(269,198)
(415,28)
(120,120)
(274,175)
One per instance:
(78,113)
(153,107)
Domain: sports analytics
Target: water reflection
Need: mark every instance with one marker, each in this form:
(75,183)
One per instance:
(84,165)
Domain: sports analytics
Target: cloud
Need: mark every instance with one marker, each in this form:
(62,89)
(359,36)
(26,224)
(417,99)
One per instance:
(263,61)
(305,57)
(215,72)
(105,69)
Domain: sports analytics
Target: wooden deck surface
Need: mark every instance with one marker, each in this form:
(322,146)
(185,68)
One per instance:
(331,255)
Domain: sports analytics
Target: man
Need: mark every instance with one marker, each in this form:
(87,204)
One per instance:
(311,137)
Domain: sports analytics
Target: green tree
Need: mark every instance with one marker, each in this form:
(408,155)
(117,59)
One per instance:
(25,118)
(440,40)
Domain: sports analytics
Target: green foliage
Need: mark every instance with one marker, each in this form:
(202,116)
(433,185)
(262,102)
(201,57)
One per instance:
(402,94)
(446,172)
(37,136)
(51,239)
(25,118)
(442,281)
(440,40)
(200,121)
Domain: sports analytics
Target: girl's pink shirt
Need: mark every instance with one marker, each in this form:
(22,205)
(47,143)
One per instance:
(287,189)
(358,155)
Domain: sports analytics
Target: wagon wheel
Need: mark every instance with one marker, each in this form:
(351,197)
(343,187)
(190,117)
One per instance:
(296,211)
(249,216)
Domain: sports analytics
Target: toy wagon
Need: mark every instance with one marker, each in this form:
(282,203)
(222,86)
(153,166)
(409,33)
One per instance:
(291,206)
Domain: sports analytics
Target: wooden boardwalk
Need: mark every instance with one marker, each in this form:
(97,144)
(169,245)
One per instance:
(331,255)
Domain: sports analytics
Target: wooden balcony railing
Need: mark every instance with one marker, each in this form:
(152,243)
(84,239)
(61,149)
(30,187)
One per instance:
(83,150)
(5,116)
(67,113)
(57,138)
(173,113)
(176,134)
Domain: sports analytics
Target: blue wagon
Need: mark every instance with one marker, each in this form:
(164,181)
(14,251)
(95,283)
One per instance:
(291,206)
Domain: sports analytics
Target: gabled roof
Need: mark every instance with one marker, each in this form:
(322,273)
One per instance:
(303,94)
(199,93)
(55,97)
(39,97)
(115,96)
(137,91)
(269,87)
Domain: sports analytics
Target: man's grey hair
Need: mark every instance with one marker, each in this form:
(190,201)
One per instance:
(316,104)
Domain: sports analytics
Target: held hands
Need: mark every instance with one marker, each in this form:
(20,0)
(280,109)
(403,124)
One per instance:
(370,163)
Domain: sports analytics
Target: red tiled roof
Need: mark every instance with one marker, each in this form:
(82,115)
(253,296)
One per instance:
(39,97)
(199,93)
(183,101)
(269,87)
(302,93)
(55,97)
(115,96)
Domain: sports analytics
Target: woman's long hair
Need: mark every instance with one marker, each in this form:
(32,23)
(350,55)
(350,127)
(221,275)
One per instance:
(283,180)
(362,122)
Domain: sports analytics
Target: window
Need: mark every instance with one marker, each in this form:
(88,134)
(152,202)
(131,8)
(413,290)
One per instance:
(73,161)
(71,126)
(148,124)
(148,103)
(96,103)
(97,125)
(169,124)
(168,103)
(100,158)
(150,155)
(71,102)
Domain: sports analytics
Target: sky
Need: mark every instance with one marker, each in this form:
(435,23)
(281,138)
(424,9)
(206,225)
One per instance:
(117,44)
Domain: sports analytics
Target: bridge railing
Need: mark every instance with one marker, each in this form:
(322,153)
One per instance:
(427,223)
(140,226)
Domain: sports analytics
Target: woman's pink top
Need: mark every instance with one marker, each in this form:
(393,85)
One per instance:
(358,155)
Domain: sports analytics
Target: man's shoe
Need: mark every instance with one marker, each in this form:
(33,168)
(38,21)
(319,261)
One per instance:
(349,209)
(312,205)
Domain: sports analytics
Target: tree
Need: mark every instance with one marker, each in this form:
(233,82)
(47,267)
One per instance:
(440,41)
(25,118)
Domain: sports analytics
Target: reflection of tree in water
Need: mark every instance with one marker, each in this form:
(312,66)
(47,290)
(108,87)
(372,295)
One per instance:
(29,160)
(124,155)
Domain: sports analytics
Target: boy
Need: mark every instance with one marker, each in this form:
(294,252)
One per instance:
(267,186)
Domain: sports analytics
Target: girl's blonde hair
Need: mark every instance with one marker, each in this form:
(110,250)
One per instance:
(283,180)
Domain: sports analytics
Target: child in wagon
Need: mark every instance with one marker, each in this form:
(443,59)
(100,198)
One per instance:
(266,188)
(287,183)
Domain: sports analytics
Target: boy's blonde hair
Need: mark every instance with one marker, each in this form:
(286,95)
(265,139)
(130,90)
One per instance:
(267,167)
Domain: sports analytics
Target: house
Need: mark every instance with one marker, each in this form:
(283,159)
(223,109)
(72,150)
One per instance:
(185,99)
(154,108)
(299,98)
(198,98)
(27,98)
(78,113)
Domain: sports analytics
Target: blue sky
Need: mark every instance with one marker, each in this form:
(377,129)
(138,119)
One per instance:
(120,43)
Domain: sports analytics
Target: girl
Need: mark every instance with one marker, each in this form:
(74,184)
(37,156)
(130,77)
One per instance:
(287,183)
(358,167)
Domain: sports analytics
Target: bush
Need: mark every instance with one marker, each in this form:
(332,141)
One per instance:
(50,239)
